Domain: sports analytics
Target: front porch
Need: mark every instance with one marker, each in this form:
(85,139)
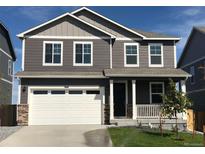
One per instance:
(133,102)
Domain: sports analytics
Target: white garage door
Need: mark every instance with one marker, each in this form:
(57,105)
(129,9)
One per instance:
(59,106)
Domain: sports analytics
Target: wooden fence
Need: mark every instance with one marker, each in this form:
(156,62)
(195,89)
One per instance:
(7,115)
(195,120)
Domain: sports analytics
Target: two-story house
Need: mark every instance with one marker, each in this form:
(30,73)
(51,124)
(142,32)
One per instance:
(7,58)
(83,68)
(192,61)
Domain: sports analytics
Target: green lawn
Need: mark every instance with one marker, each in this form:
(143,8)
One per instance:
(138,137)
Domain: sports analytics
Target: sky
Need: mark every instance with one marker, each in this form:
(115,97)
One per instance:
(177,21)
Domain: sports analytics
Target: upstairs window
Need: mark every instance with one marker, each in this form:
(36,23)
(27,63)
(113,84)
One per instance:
(10,72)
(83,54)
(53,52)
(192,72)
(155,55)
(131,54)
(156,91)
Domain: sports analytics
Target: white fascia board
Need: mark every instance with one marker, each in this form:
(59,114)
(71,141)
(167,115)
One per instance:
(21,35)
(85,8)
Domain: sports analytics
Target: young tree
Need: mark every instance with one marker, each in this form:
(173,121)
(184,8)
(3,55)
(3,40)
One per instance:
(174,102)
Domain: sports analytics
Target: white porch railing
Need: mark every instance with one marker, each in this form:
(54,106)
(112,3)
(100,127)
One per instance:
(148,110)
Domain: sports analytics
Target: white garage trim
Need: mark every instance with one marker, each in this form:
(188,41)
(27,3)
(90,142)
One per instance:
(72,108)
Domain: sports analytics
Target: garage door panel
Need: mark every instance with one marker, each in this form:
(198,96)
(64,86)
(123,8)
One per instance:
(60,109)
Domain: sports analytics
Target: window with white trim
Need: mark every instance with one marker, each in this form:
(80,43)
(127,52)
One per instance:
(10,68)
(155,55)
(192,72)
(83,53)
(53,52)
(156,91)
(131,54)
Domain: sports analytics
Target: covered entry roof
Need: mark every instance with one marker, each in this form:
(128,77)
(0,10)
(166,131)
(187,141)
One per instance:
(145,72)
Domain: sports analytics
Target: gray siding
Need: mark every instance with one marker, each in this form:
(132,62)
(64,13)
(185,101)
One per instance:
(193,51)
(101,55)
(5,92)
(118,53)
(194,94)
(199,77)
(104,24)
(195,48)
(34,56)
(142,87)
(4,66)
(67,26)
(61,82)
(5,87)
(3,41)
(198,99)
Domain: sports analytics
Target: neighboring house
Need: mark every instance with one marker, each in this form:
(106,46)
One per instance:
(192,61)
(7,58)
(83,68)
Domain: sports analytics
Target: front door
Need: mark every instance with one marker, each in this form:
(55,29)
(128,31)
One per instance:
(119,99)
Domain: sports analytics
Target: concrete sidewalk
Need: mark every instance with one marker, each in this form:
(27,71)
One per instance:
(59,136)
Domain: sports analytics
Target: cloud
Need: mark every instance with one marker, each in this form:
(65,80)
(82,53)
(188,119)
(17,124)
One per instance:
(192,11)
(36,13)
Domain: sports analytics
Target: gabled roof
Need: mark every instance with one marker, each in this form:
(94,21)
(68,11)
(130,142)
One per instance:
(9,41)
(128,29)
(145,72)
(144,35)
(21,35)
(200,29)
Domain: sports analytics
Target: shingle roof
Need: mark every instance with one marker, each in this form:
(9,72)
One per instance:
(33,74)
(145,72)
(9,40)
(115,72)
(153,34)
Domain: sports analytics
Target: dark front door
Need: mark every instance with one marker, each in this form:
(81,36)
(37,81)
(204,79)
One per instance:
(119,99)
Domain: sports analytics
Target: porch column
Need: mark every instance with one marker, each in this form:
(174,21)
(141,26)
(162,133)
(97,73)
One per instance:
(111,101)
(134,112)
(182,86)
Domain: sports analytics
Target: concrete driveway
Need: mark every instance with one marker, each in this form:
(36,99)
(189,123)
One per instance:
(59,136)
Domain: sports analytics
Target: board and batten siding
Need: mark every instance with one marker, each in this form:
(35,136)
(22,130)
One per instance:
(118,53)
(34,56)
(104,24)
(67,26)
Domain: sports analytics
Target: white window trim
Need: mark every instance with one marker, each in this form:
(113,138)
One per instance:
(162,55)
(74,53)
(125,55)
(44,53)
(150,89)
(10,66)
(193,75)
